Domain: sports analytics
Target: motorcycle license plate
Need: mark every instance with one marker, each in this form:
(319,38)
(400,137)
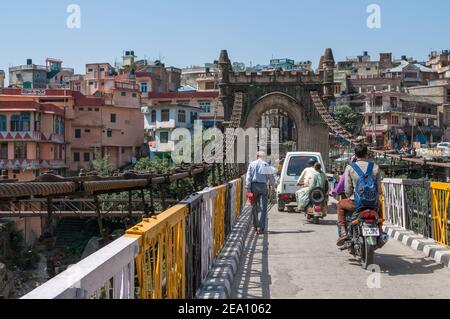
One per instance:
(371,231)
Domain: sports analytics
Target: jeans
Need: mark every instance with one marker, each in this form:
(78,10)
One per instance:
(259,209)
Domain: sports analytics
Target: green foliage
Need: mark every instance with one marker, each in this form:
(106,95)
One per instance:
(147,165)
(21,257)
(102,166)
(347,118)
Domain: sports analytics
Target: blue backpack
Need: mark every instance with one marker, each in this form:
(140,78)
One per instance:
(366,190)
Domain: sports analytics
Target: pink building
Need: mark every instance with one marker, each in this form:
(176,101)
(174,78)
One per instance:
(64,130)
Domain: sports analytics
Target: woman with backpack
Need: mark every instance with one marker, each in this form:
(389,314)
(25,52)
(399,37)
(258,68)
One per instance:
(362,188)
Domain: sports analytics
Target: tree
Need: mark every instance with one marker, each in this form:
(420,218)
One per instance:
(102,166)
(347,118)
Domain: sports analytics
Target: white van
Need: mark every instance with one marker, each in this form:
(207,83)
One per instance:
(293,166)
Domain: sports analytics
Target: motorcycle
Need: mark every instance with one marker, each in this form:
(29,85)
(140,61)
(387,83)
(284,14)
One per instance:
(365,235)
(318,206)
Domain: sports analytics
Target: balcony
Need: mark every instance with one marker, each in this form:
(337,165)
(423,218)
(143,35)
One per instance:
(126,86)
(31,136)
(32,164)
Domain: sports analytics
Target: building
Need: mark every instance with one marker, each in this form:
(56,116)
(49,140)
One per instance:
(32,76)
(161,120)
(411,74)
(395,118)
(439,92)
(2,79)
(211,111)
(63,130)
(440,63)
(202,78)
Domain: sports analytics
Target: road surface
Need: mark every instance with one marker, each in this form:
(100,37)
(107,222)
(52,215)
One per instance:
(298,260)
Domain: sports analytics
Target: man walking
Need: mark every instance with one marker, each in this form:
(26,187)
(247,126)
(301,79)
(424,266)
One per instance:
(259,174)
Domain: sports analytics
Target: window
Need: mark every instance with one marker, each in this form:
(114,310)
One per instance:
(448,96)
(378,100)
(102,69)
(87,131)
(395,120)
(193,117)
(134,95)
(3,126)
(37,122)
(205,106)
(164,137)
(90,109)
(20,123)
(113,118)
(90,70)
(394,102)
(182,116)
(77,133)
(87,156)
(297,165)
(97,110)
(144,87)
(20,150)
(123,93)
(165,115)
(4,151)
(378,120)
(76,156)
(58,125)
(109,133)
(153,116)
(81,109)
(91,83)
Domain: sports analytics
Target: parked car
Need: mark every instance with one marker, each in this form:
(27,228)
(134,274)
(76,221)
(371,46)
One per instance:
(294,164)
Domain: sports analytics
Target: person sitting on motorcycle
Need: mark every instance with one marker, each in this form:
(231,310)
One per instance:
(318,180)
(351,179)
(307,173)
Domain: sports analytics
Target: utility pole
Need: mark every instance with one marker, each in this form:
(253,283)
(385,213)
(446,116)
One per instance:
(372,105)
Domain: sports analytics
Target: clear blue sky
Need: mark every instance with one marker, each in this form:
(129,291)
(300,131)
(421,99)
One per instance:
(192,32)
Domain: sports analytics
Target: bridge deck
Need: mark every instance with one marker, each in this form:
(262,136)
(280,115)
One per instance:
(299,260)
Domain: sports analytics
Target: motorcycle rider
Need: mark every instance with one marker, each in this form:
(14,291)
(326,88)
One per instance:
(307,174)
(351,179)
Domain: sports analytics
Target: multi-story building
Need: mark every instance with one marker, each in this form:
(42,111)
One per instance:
(32,76)
(64,130)
(394,118)
(211,110)
(201,78)
(440,63)
(2,79)
(411,74)
(437,91)
(162,119)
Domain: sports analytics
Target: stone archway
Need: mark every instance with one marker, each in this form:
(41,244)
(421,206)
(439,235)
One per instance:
(310,137)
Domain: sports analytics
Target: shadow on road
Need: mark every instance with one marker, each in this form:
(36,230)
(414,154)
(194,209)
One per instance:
(290,232)
(395,265)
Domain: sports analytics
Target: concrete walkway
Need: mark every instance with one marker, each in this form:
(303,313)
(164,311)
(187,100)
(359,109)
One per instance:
(298,260)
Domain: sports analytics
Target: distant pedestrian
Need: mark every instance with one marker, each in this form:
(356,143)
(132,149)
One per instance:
(259,175)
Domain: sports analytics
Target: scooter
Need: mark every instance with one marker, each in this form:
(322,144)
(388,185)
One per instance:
(318,206)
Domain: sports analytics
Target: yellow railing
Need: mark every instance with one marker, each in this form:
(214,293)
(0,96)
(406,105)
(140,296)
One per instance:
(161,255)
(238,197)
(219,219)
(441,199)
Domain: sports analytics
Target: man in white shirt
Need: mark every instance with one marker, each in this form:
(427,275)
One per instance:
(259,174)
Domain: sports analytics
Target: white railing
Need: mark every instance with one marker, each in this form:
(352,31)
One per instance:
(107,274)
(394,202)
